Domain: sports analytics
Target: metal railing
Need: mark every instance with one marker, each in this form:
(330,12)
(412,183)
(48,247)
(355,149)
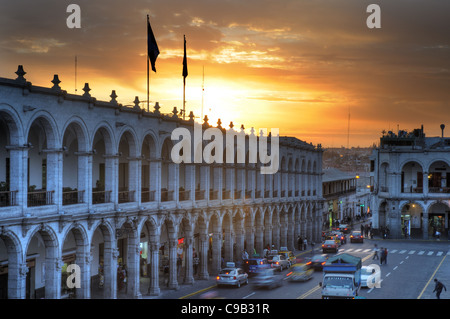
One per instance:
(166,196)
(8,198)
(73,197)
(126,196)
(147,196)
(40,198)
(101,197)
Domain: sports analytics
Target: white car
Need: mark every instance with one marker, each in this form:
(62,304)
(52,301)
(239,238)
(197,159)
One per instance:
(370,275)
(231,276)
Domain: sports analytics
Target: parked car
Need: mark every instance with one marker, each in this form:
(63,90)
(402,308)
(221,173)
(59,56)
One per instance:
(231,276)
(317,261)
(267,278)
(278,262)
(329,245)
(372,273)
(356,236)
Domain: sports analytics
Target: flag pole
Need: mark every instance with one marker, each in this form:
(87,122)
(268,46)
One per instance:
(148,73)
(184,79)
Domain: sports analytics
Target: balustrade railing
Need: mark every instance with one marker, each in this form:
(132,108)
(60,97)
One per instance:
(8,198)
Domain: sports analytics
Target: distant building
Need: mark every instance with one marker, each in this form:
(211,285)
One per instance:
(339,192)
(411,190)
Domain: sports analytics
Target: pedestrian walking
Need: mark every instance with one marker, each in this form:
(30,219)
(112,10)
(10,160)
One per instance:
(438,288)
(299,243)
(305,244)
(375,253)
(382,257)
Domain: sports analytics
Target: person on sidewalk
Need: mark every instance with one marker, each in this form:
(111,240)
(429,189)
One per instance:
(438,288)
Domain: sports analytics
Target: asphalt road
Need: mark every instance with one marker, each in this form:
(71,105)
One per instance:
(409,273)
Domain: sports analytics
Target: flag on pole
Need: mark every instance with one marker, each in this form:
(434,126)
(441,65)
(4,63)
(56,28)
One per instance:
(185,70)
(152,47)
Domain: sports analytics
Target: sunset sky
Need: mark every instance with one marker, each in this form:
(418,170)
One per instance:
(298,65)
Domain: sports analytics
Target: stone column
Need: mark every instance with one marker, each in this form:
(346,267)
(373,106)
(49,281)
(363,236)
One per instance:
(259,240)
(53,267)
(83,260)
(19,172)
(54,175)
(217,252)
(173,271)
(204,256)
(17,274)
(188,260)
(268,235)
(134,179)
(110,271)
(154,289)
(228,246)
(133,264)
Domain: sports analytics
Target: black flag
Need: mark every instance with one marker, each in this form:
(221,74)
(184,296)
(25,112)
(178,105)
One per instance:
(152,47)
(185,71)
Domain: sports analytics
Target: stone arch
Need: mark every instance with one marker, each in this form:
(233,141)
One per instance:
(17,268)
(82,254)
(51,259)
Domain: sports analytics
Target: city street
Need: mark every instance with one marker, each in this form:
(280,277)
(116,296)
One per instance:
(409,273)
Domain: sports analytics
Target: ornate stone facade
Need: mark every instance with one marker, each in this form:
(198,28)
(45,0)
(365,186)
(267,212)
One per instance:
(91,183)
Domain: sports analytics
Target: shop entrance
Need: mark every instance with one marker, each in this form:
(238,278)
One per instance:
(406,225)
(436,225)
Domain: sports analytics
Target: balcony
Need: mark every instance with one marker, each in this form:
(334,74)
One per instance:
(226,194)
(166,195)
(126,196)
(100,196)
(199,194)
(213,194)
(8,198)
(147,195)
(184,195)
(40,198)
(72,197)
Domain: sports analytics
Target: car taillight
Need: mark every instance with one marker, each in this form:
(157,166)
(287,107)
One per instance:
(323,263)
(289,274)
(260,262)
(308,263)
(277,263)
(218,278)
(234,277)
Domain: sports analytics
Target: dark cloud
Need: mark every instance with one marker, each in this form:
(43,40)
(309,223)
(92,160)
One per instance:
(313,58)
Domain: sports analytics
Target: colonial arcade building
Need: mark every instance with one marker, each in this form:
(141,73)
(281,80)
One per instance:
(91,183)
(411,174)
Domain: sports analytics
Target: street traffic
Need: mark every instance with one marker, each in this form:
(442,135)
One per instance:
(405,274)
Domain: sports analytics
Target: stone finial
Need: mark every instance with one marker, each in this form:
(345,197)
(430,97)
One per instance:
(242,127)
(252,131)
(219,123)
(156,107)
(231,125)
(56,82)
(175,112)
(191,116)
(20,73)
(136,103)
(86,90)
(113,97)
(205,120)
